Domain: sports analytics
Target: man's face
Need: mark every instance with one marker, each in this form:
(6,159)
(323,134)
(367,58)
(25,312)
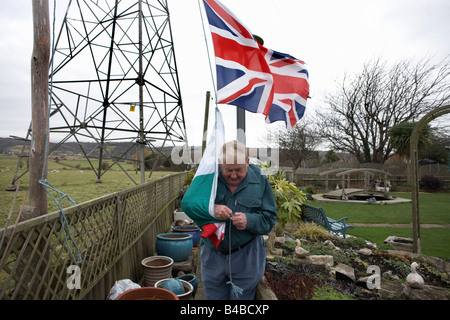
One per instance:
(234,173)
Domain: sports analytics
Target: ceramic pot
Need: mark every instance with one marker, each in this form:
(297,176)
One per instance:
(148,293)
(192,279)
(156,268)
(192,230)
(173,285)
(188,289)
(175,245)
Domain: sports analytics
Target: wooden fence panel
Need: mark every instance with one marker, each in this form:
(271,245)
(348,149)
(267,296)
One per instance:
(112,235)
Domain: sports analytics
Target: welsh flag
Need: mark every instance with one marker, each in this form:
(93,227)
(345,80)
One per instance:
(198,201)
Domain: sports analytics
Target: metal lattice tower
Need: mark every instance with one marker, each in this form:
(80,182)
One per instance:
(115,79)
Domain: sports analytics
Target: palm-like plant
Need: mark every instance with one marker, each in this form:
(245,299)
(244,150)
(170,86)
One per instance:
(400,138)
(288,198)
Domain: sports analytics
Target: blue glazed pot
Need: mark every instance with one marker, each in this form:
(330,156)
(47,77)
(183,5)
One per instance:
(192,279)
(173,285)
(192,230)
(175,245)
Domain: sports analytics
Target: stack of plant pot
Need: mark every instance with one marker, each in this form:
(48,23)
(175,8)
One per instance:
(174,254)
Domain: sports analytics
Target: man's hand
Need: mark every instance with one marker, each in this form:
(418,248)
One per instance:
(222,212)
(240,220)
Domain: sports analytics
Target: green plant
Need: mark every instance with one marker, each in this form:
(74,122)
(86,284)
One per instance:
(188,180)
(309,189)
(312,231)
(430,182)
(328,293)
(288,198)
(354,243)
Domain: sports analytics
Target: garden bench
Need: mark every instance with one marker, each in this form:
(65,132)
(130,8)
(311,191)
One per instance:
(318,216)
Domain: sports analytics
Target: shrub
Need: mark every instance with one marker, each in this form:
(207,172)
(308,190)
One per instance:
(312,231)
(328,293)
(189,178)
(354,243)
(288,198)
(309,189)
(429,182)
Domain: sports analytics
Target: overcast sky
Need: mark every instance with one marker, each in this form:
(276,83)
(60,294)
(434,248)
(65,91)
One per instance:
(332,37)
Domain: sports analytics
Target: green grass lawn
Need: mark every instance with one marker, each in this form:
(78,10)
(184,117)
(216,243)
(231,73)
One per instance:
(78,184)
(434,208)
(434,241)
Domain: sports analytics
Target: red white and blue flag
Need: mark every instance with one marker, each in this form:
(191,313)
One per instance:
(251,76)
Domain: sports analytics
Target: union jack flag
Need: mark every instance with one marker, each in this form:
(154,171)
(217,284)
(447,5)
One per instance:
(251,76)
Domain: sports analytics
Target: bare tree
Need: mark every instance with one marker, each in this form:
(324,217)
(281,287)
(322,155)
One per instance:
(367,105)
(297,144)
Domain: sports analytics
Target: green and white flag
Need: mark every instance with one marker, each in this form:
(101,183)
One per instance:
(198,201)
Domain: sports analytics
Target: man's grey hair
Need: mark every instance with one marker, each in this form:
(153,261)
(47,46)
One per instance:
(233,152)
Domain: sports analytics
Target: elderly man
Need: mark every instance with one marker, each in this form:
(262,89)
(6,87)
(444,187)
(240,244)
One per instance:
(245,201)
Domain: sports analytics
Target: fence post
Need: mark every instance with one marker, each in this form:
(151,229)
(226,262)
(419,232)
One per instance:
(118,219)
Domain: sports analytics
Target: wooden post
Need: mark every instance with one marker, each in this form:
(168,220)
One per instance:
(39,103)
(205,121)
(414,156)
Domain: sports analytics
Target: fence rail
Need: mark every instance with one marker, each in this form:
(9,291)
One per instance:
(398,174)
(112,235)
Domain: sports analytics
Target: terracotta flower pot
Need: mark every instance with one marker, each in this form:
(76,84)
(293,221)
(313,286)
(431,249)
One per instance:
(148,293)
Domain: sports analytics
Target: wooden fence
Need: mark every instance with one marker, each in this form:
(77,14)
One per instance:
(112,234)
(398,175)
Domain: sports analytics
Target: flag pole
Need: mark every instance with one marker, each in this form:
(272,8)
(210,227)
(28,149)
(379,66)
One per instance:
(205,121)
(240,113)
(240,125)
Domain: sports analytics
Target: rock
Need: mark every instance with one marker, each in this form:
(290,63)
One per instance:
(264,291)
(329,244)
(271,240)
(271,257)
(390,275)
(280,239)
(323,262)
(362,282)
(276,251)
(299,251)
(345,272)
(365,251)
(439,264)
(371,245)
(426,293)
(398,253)
(287,238)
(390,289)
(414,280)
